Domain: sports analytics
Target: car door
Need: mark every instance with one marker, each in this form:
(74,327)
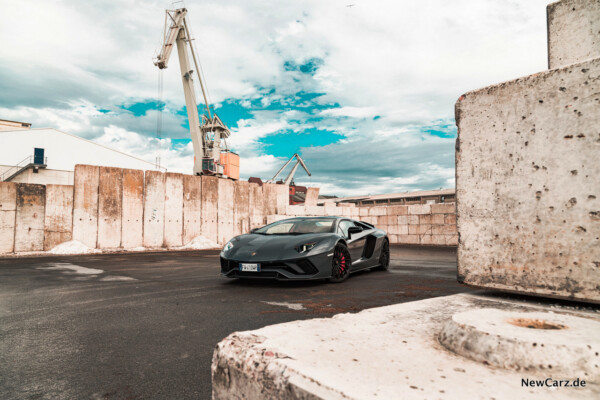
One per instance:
(356,242)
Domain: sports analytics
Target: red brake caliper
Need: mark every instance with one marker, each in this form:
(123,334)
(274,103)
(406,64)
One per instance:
(343,263)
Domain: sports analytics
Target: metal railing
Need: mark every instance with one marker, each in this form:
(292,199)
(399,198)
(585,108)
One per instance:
(28,161)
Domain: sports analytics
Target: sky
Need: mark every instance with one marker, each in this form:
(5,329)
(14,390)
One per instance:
(363,90)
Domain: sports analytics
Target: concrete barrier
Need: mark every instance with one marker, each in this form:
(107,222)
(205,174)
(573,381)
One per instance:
(312,195)
(256,207)
(58,220)
(225,211)
(173,235)
(132,213)
(210,196)
(154,209)
(110,206)
(85,204)
(192,203)
(270,198)
(29,223)
(528,184)
(283,198)
(241,204)
(573,32)
(8,210)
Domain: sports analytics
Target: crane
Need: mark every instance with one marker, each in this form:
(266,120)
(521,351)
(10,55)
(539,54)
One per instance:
(290,178)
(208,131)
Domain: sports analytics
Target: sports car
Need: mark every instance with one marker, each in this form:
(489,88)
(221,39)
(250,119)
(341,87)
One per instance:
(306,248)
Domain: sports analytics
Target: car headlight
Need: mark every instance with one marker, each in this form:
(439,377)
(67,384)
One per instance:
(303,248)
(228,246)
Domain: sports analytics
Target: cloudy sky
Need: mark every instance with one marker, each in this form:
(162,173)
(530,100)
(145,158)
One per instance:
(364,90)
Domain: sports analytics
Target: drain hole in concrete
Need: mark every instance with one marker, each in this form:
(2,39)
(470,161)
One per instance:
(534,323)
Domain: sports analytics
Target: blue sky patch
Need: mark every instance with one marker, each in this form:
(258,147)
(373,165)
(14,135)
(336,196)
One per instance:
(286,143)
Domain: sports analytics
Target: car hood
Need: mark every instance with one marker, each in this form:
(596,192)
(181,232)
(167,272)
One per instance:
(257,247)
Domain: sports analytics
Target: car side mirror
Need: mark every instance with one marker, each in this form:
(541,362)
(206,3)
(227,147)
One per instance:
(354,229)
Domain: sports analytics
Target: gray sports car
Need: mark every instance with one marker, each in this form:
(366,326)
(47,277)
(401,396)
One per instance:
(306,248)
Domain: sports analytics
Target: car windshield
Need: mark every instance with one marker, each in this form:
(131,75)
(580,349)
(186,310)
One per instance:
(298,226)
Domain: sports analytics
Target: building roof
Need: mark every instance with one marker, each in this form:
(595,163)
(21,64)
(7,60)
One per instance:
(422,193)
(63,150)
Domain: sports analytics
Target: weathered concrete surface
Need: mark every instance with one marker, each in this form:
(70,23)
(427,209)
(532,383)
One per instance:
(225,211)
(527,183)
(192,205)
(29,223)
(154,209)
(241,204)
(312,195)
(173,209)
(85,204)
(283,198)
(573,32)
(270,198)
(308,359)
(255,206)
(110,207)
(58,221)
(210,195)
(8,210)
(132,216)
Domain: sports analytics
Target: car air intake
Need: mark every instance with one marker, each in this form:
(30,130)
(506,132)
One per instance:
(307,266)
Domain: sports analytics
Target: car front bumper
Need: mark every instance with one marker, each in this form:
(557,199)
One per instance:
(304,268)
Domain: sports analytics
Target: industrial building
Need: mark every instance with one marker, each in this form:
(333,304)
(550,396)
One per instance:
(394,199)
(49,156)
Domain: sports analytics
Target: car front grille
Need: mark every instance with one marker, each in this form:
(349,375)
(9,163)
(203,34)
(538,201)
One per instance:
(304,267)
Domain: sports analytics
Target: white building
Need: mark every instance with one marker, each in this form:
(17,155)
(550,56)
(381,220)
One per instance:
(62,151)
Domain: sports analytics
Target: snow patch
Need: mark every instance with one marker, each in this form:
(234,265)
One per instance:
(114,278)
(77,269)
(291,306)
(201,243)
(72,247)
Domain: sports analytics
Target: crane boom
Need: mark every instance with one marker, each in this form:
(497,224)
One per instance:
(290,177)
(206,132)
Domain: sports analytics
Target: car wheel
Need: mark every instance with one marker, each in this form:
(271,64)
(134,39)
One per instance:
(384,256)
(340,264)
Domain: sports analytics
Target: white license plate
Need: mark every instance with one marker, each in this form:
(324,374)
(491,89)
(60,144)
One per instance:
(250,267)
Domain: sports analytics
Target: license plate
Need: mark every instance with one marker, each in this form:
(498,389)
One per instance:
(249,267)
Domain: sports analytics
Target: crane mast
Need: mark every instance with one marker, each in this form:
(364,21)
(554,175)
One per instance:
(207,131)
(290,178)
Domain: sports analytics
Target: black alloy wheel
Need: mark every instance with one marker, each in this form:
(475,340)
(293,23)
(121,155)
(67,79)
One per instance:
(340,264)
(384,256)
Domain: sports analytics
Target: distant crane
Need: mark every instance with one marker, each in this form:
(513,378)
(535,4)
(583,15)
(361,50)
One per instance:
(290,178)
(207,133)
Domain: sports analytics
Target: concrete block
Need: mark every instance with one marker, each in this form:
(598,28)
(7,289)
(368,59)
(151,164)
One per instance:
(403,220)
(452,240)
(8,210)
(397,210)
(275,218)
(527,182)
(241,211)
(392,238)
(438,240)
(408,239)
(154,209)
(58,219)
(387,220)
(331,210)
(225,230)
(85,204)
(110,207)
(450,219)
(426,240)
(419,209)
(255,206)
(210,195)
(398,229)
(283,198)
(363,211)
(173,236)
(377,211)
(270,198)
(443,229)
(420,229)
(355,212)
(413,219)
(573,32)
(312,195)
(132,213)
(297,210)
(443,208)
(192,206)
(370,220)
(29,223)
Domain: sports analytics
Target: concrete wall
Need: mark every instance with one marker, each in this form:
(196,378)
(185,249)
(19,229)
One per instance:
(192,207)
(573,32)
(58,222)
(110,200)
(528,186)
(312,195)
(112,208)
(132,210)
(29,223)
(85,204)
(8,210)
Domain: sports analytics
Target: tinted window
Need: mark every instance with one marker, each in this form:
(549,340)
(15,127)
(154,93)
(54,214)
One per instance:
(344,225)
(298,226)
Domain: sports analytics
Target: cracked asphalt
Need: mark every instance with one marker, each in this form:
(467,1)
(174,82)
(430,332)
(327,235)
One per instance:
(144,325)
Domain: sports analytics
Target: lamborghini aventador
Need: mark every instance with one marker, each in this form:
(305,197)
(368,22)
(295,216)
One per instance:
(306,248)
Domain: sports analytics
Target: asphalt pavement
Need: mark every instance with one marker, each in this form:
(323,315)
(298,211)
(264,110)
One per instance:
(144,325)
